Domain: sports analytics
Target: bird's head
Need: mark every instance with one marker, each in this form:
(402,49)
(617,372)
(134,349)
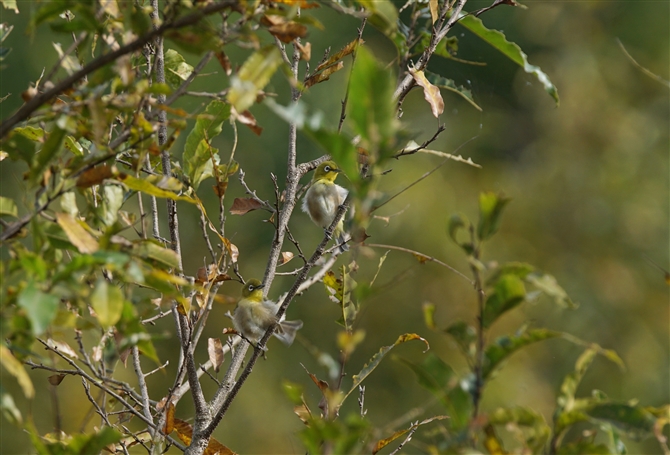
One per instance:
(253,290)
(327,170)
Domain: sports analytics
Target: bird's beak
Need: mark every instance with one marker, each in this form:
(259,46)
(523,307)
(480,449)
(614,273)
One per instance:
(337,171)
(260,286)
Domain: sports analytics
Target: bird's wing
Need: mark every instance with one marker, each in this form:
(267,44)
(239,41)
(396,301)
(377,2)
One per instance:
(342,193)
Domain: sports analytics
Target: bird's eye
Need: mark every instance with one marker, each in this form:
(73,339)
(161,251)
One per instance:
(327,168)
(251,287)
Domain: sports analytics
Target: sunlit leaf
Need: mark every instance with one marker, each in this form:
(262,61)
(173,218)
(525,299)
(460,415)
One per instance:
(15,368)
(107,301)
(8,408)
(144,186)
(185,433)
(150,249)
(536,432)
(288,31)
(346,50)
(430,92)
(384,15)
(10,4)
(511,50)
(8,207)
(429,315)
(549,286)
(77,234)
(176,68)
(491,206)
(199,157)
(433,10)
(252,77)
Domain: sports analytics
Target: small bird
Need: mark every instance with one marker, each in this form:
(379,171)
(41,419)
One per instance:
(254,314)
(323,199)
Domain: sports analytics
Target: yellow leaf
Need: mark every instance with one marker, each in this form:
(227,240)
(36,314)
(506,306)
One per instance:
(14,367)
(430,92)
(433,10)
(77,235)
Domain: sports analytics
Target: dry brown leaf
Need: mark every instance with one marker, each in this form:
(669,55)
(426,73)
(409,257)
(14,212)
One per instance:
(185,433)
(285,257)
(56,379)
(303,413)
(224,62)
(220,188)
(323,75)
(247,118)
(169,418)
(288,31)
(305,51)
(430,92)
(62,347)
(304,4)
(346,50)
(76,234)
(422,258)
(95,176)
(215,352)
(244,205)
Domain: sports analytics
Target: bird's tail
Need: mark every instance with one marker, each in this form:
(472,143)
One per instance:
(286,331)
(341,237)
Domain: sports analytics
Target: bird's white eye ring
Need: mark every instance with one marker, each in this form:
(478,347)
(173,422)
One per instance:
(327,168)
(251,287)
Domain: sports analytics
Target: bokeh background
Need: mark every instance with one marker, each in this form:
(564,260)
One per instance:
(590,205)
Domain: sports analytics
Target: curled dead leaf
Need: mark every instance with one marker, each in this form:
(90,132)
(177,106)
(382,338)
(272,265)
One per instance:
(288,31)
(430,92)
(246,118)
(285,257)
(305,51)
(215,352)
(56,379)
(224,62)
(95,176)
(323,75)
(244,205)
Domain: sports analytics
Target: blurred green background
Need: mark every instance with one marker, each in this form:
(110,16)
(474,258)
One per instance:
(589,183)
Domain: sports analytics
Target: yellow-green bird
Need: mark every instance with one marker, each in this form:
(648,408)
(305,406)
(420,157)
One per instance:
(324,197)
(254,314)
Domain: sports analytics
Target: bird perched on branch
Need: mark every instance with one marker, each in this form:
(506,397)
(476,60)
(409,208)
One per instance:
(254,314)
(323,199)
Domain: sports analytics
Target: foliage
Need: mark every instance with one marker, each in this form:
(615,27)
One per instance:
(86,271)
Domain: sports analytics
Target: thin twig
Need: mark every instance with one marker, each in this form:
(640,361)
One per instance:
(421,257)
(343,113)
(142,383)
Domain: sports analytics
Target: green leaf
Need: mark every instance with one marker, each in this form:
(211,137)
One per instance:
(15,368)
(8,207)
(9,409)
(549,286)
(520,269)
(176,68)
(145,186)
(372,110)
(18,147)
(199,157)
(491,206)
(537,431)
(252,77)
(635,421)
(508,292)
(377,358)
(49,151)
(40,307)
(465,336)
(434,375)
(150,249)
(511,50)
(450,85)
(583,447)
(10,4)
(566,396)
(505,346)
(107,301)
(458,221)
(384,15)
